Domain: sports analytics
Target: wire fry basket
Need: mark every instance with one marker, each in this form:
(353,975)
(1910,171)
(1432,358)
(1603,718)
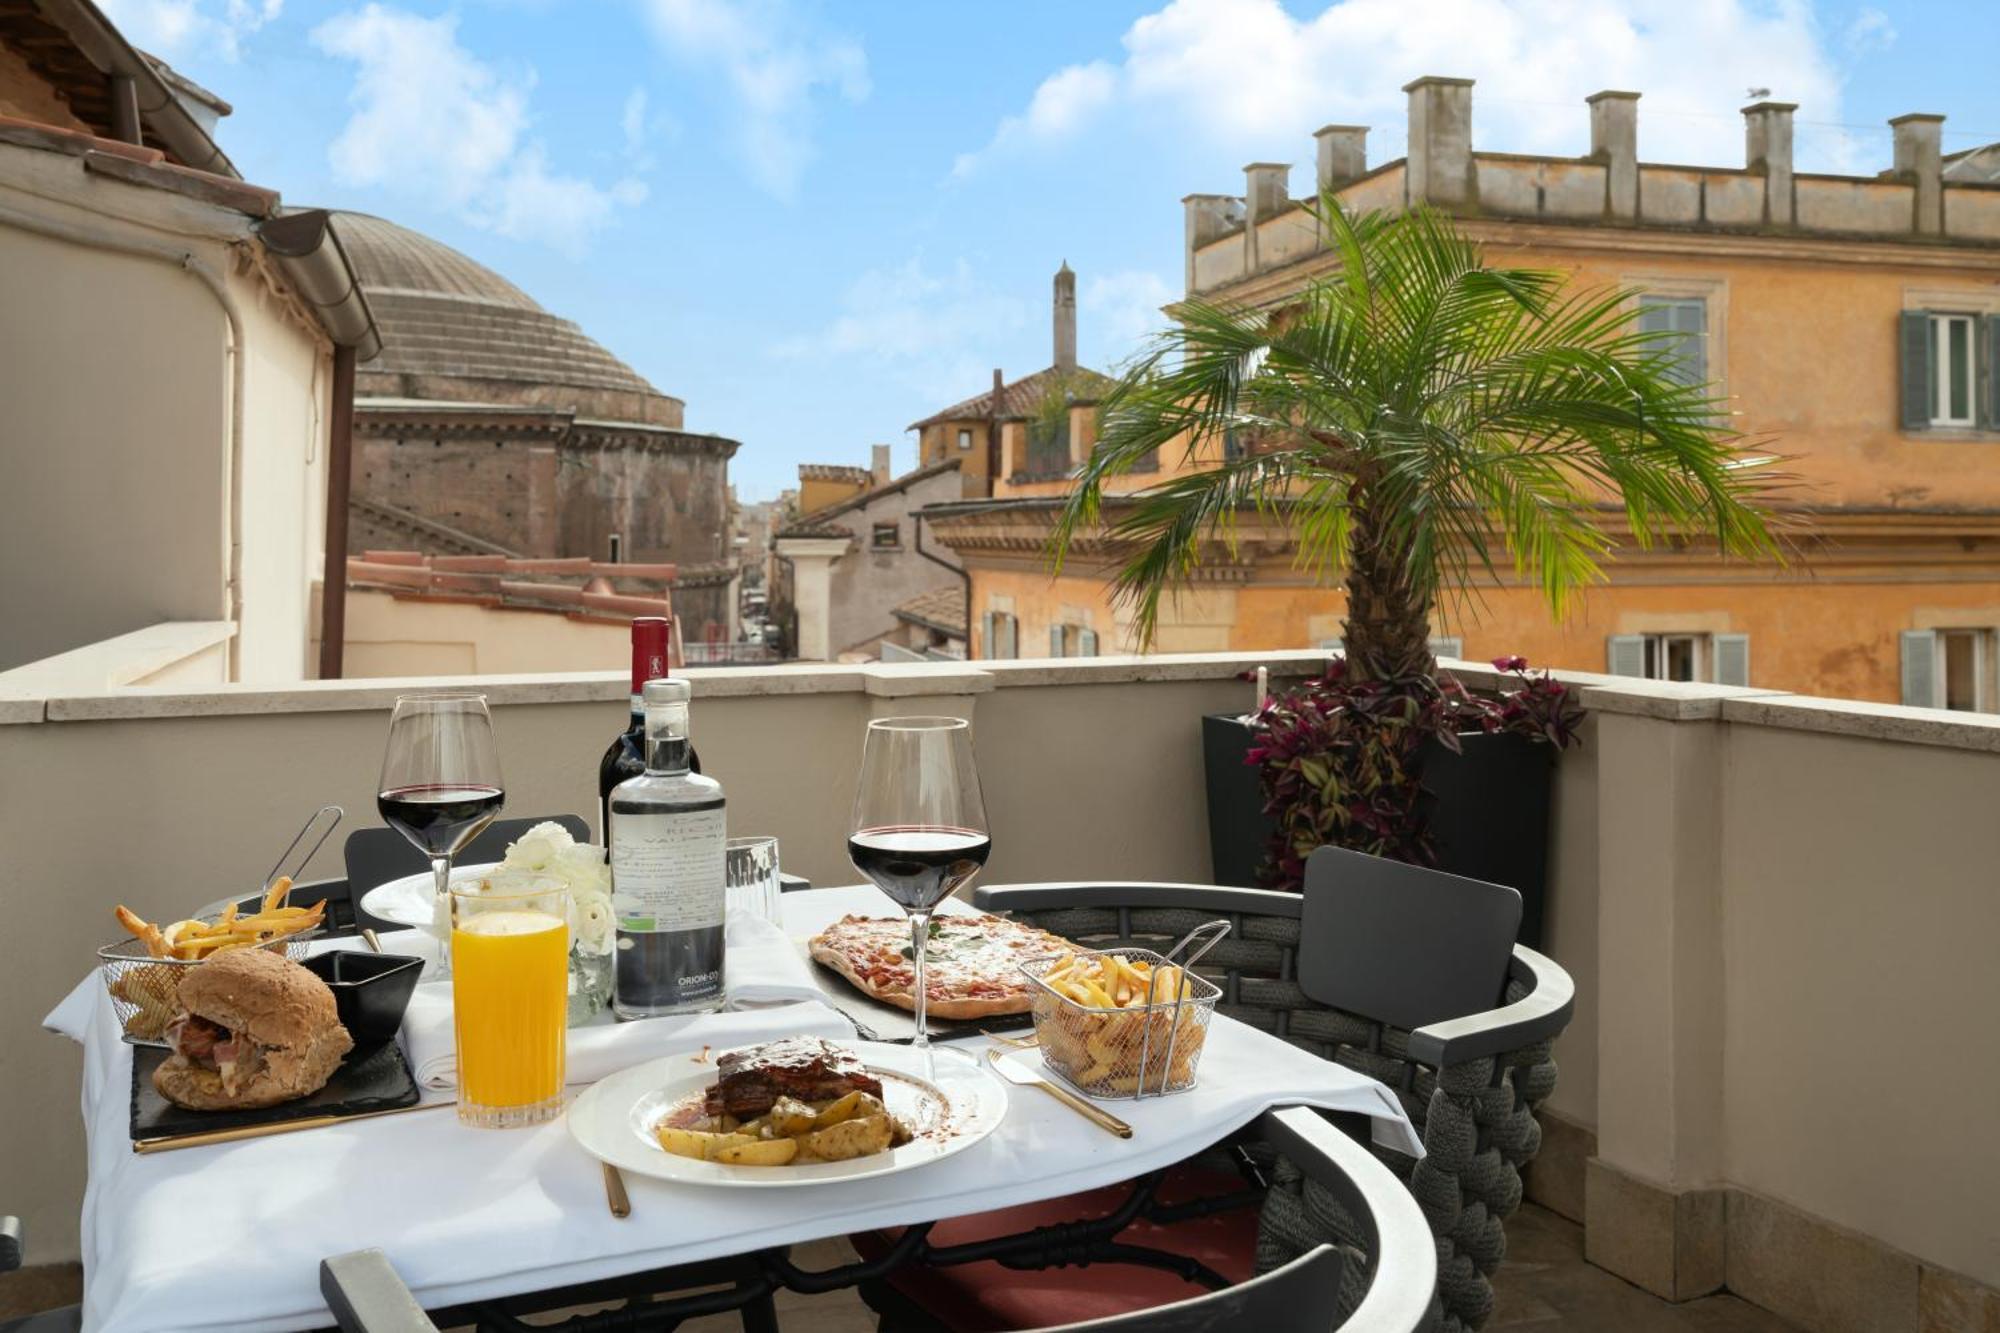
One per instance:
(145,991)
(1143,1050)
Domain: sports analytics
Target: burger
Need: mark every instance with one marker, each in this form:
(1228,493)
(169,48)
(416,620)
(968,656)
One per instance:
(258,1030)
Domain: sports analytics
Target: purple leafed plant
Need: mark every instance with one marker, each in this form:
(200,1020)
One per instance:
(1339,760)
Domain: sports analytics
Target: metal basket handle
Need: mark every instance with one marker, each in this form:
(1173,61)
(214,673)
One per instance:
(1206,935)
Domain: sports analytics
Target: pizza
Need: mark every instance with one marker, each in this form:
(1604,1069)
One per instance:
(971,963)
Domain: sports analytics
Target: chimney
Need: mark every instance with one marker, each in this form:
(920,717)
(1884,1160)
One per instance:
(1440,161)
(1614,141)
(1208,218)
(879,465)
(1919,161)
(1065,315)
(1267,193)
(1343,154)
(1767,148)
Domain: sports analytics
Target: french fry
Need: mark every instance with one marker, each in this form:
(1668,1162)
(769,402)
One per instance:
(275,895)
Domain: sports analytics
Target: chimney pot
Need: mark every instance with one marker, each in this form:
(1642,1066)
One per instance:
(1440,157)
(1065,318)
(1208,217)
(879,465)
(1614,141)
(1920,161)
(1343,154)
(1767,148)
(1267,193)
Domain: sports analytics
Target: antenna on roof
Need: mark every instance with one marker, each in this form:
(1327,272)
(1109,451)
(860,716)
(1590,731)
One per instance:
(1758,94)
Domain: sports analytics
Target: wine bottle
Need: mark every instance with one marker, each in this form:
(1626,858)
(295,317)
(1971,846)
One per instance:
(667,838)
(626,755)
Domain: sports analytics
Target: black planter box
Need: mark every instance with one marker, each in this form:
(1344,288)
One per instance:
(1488,811)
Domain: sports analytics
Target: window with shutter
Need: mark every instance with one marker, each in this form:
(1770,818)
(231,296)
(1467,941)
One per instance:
(1086,643)
(1055,641)
(1732,659)
(1447,645)
(1913,345)
(1951,343)
(1989,372)
(1626,654)
(1920,673)
(991,637)
(1010,635)
(1682,323)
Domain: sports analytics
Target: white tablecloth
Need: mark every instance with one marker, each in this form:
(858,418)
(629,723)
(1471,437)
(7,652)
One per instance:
(230,1236)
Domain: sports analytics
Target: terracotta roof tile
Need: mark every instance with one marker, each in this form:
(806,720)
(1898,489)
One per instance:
(1021,398)
(941,608)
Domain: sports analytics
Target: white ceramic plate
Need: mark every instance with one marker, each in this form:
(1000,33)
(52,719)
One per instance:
(613,1120)
(408,901)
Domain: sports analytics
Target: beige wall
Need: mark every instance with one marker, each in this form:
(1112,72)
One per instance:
(115,472)
(394,636)
(1861,922)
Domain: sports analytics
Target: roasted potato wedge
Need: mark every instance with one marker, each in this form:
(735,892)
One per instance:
(849,1107)
(863,1136)
(701,1144)
(789,1116)
(758,1152)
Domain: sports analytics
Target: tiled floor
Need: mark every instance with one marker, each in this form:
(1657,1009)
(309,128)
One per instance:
(1544,1287)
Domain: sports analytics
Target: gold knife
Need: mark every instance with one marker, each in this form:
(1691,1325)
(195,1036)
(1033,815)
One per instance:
(1016,1070)
(614,1192)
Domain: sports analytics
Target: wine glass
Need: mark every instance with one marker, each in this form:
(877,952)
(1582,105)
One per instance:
(440,786)
(919,828)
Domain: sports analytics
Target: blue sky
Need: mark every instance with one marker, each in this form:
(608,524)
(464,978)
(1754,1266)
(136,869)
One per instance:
(817,223)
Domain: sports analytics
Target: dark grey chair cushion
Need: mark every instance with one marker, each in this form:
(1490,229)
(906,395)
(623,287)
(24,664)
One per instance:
(1403,944)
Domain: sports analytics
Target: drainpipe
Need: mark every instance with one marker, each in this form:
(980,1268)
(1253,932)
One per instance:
(964,575)
(339,478)
(99,237)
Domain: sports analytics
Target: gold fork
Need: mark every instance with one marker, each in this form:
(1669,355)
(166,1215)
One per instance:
(1028,1043)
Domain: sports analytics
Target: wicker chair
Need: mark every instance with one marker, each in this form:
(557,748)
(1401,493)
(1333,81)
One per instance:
(1371,968)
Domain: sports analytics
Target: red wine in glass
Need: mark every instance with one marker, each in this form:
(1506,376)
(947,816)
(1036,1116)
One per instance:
(439,819)
(918,865)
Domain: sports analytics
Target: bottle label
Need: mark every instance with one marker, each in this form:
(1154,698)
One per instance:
(667,870)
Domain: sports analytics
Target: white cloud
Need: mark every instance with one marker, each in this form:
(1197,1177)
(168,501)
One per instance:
(1248,77)
(933,330)
(1118,311)
(1870,32)
(434,121)
(775,67)
(177,29)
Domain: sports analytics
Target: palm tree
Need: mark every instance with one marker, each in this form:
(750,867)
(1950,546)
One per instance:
(1419,417)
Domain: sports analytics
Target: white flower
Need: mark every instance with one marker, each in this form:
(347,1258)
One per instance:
(538,848)
(582,867)
(591,923)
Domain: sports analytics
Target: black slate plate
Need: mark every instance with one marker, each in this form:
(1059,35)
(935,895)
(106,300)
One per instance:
(375,1079)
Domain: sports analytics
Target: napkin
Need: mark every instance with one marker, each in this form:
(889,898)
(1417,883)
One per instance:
(762,966)
(595,1052)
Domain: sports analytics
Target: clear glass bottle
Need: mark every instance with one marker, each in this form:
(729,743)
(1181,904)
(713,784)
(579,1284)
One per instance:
(667,872)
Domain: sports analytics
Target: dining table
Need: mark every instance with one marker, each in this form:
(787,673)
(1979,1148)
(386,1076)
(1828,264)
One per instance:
(231,1234)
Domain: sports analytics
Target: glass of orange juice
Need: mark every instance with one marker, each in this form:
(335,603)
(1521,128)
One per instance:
(510,999)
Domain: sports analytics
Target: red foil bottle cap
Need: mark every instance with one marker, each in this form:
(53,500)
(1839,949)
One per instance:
(649,650)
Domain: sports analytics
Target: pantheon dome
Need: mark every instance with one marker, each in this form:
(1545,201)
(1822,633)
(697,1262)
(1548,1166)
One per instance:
(489,426)
(454,330)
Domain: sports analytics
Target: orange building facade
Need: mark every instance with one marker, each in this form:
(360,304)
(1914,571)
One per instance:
(1851,322)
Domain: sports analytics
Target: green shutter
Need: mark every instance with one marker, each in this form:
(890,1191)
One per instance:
(1732,658)
(1920,682)
(1626,654)
(1914,337)
(1988,364)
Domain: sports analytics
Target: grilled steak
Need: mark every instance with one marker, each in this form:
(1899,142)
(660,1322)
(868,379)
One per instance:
(806,1068)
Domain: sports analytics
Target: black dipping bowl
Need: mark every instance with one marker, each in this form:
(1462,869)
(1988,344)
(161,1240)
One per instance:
(370,990)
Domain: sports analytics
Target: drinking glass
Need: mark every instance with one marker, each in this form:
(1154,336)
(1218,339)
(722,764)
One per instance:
(510,1000)
(919,828)
(750,877)
(440,786)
